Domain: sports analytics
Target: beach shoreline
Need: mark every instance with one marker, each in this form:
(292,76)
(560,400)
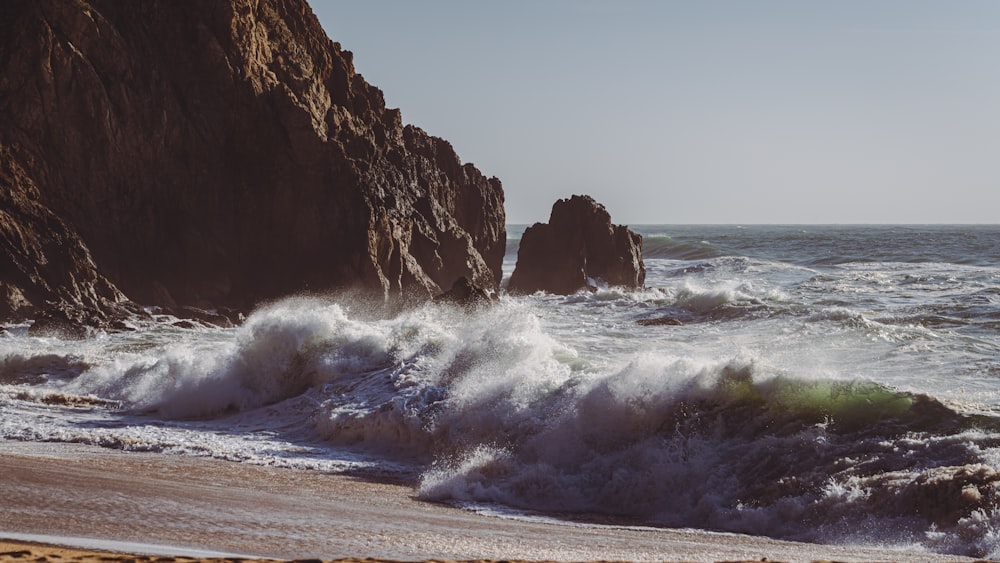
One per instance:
(199,507)
(68,549)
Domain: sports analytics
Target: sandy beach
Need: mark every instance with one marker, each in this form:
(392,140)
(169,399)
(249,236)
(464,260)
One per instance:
(153,504)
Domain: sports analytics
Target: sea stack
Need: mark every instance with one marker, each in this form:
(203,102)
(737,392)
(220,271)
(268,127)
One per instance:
(577,245)
(213,154)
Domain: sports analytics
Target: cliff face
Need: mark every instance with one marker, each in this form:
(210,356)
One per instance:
(43,260)
(217,152)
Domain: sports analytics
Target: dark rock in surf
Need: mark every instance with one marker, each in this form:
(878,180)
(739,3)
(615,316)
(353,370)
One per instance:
(659,321)
(74,322)
(234,316)
(216,154)
(207,317)
(467,294)
(62,322)
(579,243)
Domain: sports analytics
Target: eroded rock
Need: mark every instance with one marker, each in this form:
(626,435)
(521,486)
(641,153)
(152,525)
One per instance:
(577,245)
(659,321)
(467,294)
(45,268)
(217,154)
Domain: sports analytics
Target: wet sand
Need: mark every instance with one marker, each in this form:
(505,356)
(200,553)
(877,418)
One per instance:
(153,504)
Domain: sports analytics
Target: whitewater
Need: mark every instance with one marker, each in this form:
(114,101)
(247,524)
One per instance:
(827,384)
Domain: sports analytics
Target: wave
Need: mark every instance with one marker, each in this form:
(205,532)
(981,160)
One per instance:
(280,352)
(491,407)
(665,247)
(26,368)
(722,446)
(826,246)
(513,244)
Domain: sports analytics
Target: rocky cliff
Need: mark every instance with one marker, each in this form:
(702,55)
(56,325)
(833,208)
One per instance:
(216,152)
(577,245)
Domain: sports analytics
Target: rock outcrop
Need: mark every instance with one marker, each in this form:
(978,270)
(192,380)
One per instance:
(43,261)
(466,294)
(217,153)
(577,245)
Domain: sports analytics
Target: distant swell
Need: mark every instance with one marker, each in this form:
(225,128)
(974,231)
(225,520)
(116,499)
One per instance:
(662,246)
(653,246)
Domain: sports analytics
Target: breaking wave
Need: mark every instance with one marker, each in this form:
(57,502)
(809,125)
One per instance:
(495,407)
(829,384)
(727,446)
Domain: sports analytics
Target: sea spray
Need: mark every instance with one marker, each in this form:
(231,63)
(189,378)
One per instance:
(714,446)
(807,390)
(492,408)
(498,356)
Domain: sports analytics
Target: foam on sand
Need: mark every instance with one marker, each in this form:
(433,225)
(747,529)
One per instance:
(200,505)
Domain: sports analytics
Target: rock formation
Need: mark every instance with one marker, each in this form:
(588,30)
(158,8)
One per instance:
(466,294)
(579,243)
(43,261)
(659,321)
(216,153)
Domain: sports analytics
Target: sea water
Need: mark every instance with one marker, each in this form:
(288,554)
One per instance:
(832,384)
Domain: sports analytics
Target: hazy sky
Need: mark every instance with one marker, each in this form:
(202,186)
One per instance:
(703,111)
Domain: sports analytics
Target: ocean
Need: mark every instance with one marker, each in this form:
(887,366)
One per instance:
(827,384)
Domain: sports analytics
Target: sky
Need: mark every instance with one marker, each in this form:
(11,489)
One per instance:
(702,111)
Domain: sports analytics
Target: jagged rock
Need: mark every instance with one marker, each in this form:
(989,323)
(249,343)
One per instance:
(467,294)
(42,260)
(71,321)
(234,316)
(579,243)
(215,154)
(121,325)
(62,322)
(207,317)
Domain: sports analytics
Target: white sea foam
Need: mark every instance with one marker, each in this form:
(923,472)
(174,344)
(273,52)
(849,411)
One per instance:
(791,402)
(279,353)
